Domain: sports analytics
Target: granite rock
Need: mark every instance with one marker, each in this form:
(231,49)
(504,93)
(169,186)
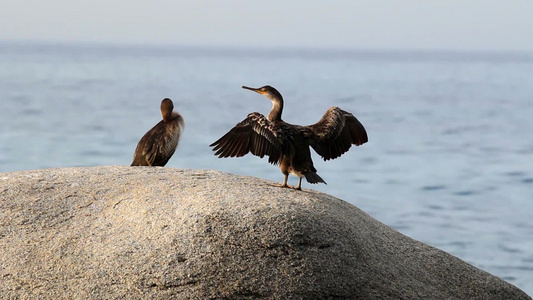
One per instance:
(117,232)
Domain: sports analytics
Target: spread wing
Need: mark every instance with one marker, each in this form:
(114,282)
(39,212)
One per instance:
(335,133)
(254,134)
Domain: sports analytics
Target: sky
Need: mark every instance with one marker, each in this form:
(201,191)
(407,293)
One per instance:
(470,25)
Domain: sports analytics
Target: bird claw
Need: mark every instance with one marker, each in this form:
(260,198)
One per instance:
(285,186)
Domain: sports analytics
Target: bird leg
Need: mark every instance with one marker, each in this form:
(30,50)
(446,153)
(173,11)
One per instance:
(284,184)
(285,181)
(299,187)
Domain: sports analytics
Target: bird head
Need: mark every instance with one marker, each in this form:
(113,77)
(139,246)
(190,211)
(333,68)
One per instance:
(166,109)
(267,91)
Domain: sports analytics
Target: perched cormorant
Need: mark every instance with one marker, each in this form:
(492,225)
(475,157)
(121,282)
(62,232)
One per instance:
(157,146)
(287,144)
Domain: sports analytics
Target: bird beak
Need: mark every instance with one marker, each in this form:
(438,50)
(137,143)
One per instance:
(253,89)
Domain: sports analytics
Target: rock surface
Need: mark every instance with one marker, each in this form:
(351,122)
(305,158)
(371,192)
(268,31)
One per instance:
(159,233)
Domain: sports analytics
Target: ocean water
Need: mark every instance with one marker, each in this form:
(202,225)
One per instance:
(449,160)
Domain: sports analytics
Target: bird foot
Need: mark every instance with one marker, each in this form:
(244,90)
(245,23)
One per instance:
(286,186)
(283,186)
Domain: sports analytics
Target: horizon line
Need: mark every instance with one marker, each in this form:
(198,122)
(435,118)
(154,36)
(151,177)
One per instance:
(278,48)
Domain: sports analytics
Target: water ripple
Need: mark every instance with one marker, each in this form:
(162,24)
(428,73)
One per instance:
(433,187)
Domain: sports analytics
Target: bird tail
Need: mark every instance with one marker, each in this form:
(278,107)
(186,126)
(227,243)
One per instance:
(313,177)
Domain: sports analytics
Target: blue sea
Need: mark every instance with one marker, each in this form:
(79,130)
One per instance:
(449,160)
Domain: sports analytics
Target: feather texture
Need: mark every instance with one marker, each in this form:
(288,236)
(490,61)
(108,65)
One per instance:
(254,134)
(335,133)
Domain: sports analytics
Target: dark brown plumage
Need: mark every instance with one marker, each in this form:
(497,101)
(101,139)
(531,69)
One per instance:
(157,146)
(287,144)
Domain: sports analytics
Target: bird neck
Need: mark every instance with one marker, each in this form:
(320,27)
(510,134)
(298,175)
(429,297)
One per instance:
(167,115)
(277,109)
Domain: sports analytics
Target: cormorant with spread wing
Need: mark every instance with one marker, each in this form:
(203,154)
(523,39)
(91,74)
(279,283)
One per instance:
(287,144)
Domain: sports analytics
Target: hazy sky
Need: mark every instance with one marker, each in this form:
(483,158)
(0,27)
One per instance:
(398,24)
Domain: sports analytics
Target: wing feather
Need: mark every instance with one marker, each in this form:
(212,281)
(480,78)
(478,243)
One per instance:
(335,133)
(243,145)
(149,144)
(254,134)
(234,148)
